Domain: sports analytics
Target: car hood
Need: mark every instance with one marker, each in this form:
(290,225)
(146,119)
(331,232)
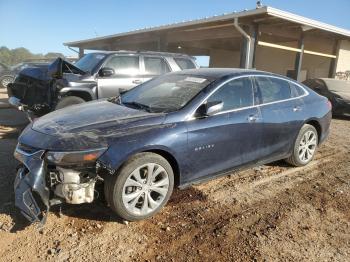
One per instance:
(93,116)
(88,125)
(344,95)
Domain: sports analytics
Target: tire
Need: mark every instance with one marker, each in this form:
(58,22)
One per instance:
(5,80)
(117,187)
(68,101)
(296,159)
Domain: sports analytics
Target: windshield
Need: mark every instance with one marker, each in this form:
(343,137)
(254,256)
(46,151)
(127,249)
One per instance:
(88,62)
(339,86)
(166,93)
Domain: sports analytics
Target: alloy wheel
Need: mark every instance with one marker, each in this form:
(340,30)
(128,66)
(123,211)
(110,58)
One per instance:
(307,146)
(145,189)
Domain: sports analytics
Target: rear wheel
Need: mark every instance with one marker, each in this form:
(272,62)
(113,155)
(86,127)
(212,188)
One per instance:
(68,101)
(141,188)
(304,147)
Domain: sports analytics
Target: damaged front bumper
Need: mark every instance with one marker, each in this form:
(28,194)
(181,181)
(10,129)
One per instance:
(40,184)
(31,192)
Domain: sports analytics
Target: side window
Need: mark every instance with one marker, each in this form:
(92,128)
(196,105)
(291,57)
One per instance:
(156,66)
(296,90)
(273,89)
(125,65)
(235,94)
(184,63)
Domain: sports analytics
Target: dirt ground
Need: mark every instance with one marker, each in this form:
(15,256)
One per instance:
(274,212)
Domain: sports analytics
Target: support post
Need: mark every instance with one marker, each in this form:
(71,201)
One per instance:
(243,62)
(81,52)
(334,61)
(254,43)
(299,58)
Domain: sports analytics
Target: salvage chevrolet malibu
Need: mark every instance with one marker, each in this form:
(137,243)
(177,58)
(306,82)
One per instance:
(175,130)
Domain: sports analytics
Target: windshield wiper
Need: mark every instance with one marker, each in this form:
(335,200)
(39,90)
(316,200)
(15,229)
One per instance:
(138,106)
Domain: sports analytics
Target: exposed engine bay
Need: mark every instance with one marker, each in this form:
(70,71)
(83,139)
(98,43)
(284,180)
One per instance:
(73,186)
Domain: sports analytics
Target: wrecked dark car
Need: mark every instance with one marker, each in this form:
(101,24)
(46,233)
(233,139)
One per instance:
(38,91)
(173,131)
(337,91)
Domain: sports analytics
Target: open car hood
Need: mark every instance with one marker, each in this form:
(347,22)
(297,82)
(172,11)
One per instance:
(60,66)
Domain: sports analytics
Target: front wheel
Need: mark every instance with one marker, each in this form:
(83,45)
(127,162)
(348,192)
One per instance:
(304,147)
(141,188)
(69,101)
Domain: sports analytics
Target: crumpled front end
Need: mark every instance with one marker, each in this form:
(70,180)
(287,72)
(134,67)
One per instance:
(40,184)
(31,192)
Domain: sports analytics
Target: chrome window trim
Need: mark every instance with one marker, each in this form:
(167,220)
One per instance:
(190,116)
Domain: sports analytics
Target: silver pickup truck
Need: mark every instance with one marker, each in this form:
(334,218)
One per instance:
(95,75)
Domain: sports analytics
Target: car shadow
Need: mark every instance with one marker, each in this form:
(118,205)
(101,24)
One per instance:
(278,163)
(99,210)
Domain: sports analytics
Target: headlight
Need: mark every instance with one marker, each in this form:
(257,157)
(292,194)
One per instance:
(74,157)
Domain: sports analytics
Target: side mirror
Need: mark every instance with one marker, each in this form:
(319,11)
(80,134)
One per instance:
(106,71)
(214,107)
(209,109)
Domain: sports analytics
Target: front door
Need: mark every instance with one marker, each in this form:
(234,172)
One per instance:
(127,75)
(228,139)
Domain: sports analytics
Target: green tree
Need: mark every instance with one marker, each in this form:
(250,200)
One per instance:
(21,54)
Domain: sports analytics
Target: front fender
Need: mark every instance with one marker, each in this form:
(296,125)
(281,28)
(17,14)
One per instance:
(162,138)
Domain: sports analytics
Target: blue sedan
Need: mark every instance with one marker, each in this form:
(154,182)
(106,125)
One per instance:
(176,130)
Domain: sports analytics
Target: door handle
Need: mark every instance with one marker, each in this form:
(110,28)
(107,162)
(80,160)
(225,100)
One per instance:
(252,118)
(136,81)
(297,108)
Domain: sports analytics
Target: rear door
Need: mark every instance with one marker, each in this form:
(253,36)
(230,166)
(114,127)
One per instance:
(154,66)
(228,139)
(281,112)
(127,75)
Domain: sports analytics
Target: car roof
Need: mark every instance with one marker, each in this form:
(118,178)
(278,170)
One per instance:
(142,53)
(224,72)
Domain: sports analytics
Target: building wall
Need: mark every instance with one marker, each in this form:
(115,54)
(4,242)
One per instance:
(274,60)
(343,63)
(280,61)
(224,58)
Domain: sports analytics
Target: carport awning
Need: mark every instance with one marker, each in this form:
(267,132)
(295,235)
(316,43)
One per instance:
(198,37)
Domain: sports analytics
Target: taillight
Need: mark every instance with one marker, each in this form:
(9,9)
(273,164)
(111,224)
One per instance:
(329,104)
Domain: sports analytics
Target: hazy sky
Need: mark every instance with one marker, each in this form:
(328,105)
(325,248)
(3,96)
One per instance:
(43,25)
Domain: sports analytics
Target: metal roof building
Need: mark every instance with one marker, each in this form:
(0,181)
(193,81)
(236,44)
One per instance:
(265,38)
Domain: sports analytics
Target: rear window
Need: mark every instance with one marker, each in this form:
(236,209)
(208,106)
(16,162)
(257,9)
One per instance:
(296,90)
(184,63)
(273,89)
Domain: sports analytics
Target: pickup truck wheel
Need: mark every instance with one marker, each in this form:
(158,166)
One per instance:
(68,101)
(141,187)
(304,147)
